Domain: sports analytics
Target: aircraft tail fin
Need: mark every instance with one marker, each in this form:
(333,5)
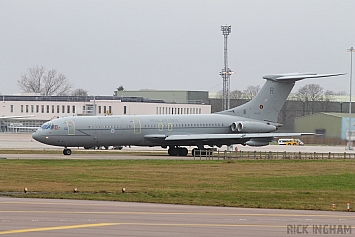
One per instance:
(267,104)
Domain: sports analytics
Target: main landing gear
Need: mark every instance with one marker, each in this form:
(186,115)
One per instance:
(66,152)
(177,151)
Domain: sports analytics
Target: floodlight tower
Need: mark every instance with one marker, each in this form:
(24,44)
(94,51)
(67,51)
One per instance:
(226,72)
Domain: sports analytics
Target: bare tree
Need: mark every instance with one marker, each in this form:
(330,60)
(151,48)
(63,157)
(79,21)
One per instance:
(341,93)
(236,94)
(309,93)
(47,83)
(219,94)
(328,98)
(79,92)
(251,92)
(120,88)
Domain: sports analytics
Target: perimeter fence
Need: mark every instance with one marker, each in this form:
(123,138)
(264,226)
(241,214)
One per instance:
(270,155)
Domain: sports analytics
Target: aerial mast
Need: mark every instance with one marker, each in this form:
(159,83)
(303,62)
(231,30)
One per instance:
(226,72)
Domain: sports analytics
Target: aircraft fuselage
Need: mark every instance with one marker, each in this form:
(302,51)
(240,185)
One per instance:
(128,130)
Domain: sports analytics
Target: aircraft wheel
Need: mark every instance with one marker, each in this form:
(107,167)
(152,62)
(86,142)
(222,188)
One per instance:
(172,151)
(183,152)
(67,152)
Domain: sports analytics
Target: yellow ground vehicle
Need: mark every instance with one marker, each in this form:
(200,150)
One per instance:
(293,142)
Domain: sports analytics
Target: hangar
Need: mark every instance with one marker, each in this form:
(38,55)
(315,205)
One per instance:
(332,126)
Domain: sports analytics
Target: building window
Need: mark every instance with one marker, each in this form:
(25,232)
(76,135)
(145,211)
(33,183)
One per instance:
(63,109)
(11,108)
(26,108)
(52,109)
(32,108)
(58,109)
(21,108)
(105,109)
(124,109)
(110,109)
(68,109)
(99,109)
(73,109)
(37,108)
(42,109)
(47,109)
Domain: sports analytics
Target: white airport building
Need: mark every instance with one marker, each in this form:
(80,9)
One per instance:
(45,108)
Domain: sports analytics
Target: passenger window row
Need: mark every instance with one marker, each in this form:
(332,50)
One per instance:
(161,125)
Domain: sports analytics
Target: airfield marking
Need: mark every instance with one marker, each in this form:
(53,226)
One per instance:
(41,229)
(55,228)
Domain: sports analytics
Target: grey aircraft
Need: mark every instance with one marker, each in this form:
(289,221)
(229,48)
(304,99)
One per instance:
(253,123)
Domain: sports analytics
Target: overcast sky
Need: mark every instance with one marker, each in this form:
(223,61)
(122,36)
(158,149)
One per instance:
(175,44)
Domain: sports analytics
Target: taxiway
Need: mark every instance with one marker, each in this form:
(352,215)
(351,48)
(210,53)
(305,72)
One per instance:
(46,217)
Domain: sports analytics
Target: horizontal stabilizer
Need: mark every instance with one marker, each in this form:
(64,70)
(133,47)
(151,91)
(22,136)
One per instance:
(298,76)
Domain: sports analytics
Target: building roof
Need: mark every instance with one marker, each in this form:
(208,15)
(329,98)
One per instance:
(78,98)
(339,115)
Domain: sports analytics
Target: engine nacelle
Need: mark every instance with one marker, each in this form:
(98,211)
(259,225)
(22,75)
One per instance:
(257,143)
(252,127)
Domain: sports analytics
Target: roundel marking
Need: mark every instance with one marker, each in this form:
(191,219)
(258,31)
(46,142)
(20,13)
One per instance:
(112,130)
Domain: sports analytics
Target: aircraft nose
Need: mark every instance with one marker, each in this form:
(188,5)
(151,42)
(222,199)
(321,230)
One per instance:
(36,135)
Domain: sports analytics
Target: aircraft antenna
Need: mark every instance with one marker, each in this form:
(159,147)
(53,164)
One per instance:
(226,71)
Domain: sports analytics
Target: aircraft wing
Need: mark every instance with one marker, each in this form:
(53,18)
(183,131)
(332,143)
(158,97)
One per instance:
(228,136)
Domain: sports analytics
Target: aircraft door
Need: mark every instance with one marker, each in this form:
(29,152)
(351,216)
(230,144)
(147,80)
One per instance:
(71,127)
(137,126)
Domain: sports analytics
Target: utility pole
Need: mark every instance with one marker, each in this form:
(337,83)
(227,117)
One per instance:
(351,50)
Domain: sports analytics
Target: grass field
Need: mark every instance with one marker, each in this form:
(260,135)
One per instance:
(287,184)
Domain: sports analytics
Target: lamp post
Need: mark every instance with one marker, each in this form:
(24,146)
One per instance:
(351,50)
